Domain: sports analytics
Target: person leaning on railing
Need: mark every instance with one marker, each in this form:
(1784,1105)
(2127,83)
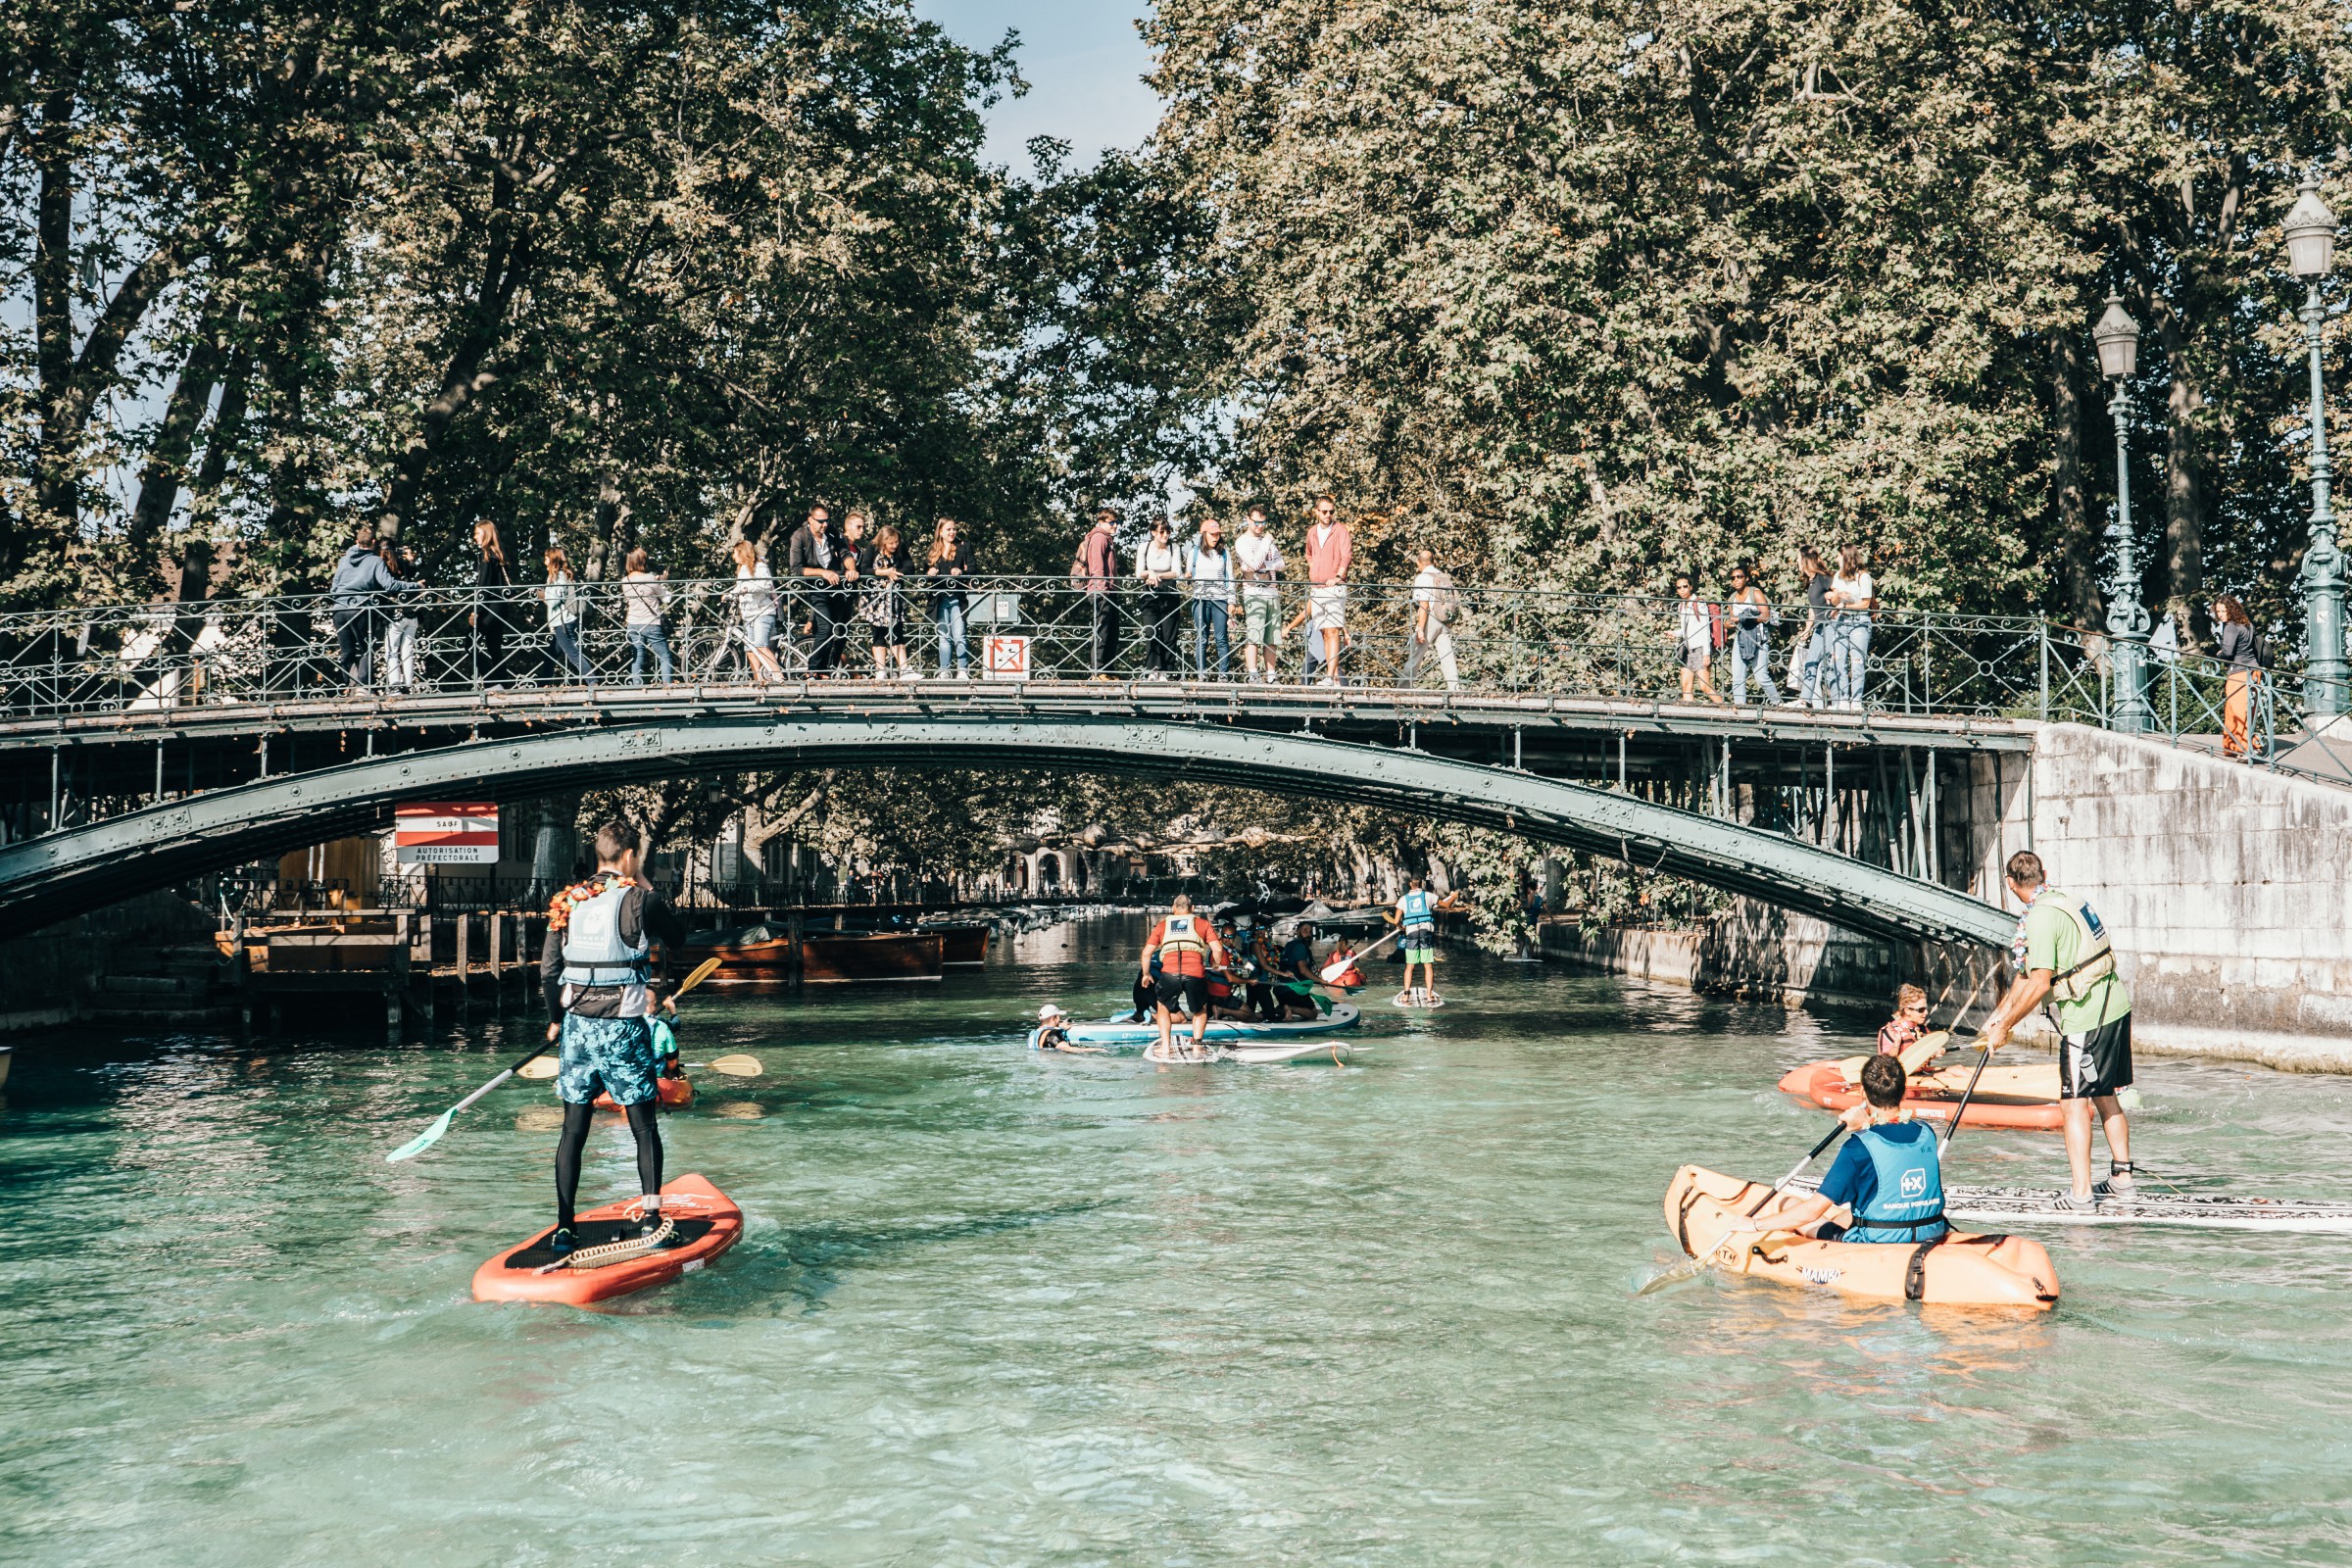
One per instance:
(400,633)
(812,561)
(1159,568)
(1208,565)
(2240,647)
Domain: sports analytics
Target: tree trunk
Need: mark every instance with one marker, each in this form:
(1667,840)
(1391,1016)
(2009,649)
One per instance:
(2078,577)
(2184,498)
(168,459)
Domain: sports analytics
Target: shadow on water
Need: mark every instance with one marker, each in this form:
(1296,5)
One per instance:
(812,1262)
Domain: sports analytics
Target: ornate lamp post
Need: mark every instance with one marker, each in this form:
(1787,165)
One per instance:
(2117,337)
(2311,251)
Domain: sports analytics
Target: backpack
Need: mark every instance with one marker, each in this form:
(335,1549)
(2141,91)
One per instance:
(1715,624)
(1445,601)
(2262,650)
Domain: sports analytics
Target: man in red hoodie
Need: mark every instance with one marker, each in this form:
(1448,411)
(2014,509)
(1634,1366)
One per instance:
(1329,550)
(1096,569)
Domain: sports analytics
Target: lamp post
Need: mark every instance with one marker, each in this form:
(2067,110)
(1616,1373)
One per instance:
(2311,251)
(2116,337)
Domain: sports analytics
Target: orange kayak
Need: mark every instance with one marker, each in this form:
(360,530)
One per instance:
(669,1092)
(705,1216)
(1961,1270)
(2015,1098)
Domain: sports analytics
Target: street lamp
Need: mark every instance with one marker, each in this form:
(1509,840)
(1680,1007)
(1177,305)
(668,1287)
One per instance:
(2311,251)
(2117,337)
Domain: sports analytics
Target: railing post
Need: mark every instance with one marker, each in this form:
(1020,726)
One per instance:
(2043,711)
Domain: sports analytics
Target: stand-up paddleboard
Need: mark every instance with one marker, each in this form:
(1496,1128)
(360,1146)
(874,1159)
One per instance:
(704,1217)
(1285,1051)
(1426,999)
(2038,1206)
(1117,1031)
(670,1094)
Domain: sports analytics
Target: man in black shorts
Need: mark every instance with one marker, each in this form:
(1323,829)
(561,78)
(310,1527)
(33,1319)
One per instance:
(2062,956)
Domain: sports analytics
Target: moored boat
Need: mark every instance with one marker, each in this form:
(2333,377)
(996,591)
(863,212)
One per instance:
(761,955)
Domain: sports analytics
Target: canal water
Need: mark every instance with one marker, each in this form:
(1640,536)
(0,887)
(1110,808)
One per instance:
(997,1310)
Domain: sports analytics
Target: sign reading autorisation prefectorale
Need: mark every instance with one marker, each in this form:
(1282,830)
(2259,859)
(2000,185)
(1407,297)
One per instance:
(446,833)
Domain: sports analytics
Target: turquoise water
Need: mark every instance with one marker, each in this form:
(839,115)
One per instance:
(992,1309)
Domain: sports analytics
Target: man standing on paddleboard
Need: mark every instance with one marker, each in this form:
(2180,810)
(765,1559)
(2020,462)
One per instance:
(1184,948)
(2062,956)
(597,973)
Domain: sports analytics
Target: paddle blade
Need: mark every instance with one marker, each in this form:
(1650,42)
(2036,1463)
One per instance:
(423,1141)
(737,1066)
(701,972)
(538,1067)
(1687,1268)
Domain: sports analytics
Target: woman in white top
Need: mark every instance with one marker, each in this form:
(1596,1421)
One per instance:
(1209,565)
(645,596)
(1159,568)
(561,596)
(1852,597)
(755,593)
(1694,640)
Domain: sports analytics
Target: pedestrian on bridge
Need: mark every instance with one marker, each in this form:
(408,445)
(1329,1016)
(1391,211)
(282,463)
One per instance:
(1752,619)
(1808,661)
(1257,565)
(1209,567)
(493,608)
(645,597)
(812,561)
(754,596)
(1330,553)
(1436,603)
(1159,568)
(2237,646)
(1696,626)
(1852,597)
(399,632)
(947,566)
(2064,962)
(360,576)
(561,596)
(1096,569)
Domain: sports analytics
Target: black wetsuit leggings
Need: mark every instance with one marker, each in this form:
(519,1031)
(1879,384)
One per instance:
(576,1120)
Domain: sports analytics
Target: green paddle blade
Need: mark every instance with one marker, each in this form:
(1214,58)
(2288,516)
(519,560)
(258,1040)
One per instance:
(423,1141)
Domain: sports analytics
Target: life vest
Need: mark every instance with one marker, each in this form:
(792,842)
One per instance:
(1183,945)
(2095,956)
(1895,1036)
(1907,1201)
(1419,913)
(594,954)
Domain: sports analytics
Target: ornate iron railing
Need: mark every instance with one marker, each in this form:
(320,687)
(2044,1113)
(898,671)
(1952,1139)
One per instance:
(1502,642)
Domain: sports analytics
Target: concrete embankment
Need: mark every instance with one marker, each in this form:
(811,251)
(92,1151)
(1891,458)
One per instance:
(2225,887)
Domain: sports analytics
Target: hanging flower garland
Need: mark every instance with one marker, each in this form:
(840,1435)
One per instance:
(560,907)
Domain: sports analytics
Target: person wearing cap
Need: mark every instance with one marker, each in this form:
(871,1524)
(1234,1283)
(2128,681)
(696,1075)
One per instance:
(1257,563)
(1054,1033)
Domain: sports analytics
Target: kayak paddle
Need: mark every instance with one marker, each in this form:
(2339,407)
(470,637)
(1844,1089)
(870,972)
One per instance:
(432,1134)
(1340,966)
(545,1066)
(1692,1268)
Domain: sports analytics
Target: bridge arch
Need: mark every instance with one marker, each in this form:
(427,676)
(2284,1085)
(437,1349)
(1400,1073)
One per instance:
(61,874)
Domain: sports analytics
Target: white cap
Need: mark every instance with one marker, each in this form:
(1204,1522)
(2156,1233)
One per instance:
(1049,1010)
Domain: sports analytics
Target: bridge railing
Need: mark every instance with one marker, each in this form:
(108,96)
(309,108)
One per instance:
(133,658)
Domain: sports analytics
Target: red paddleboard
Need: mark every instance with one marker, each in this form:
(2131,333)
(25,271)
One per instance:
(1824,1084)
(669,1093)
(706,1217)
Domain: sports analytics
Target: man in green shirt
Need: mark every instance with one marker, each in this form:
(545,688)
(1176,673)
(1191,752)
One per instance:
(2062,958)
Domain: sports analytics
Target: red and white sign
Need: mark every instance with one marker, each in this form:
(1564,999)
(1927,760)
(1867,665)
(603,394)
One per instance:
(1005,659)
(446,833)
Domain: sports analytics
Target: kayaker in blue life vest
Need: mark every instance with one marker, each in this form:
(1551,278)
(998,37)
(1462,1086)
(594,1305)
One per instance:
(1417,912)
(1890,1174)
(596,970)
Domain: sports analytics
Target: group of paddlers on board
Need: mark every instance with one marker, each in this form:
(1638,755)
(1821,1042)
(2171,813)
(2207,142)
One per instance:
(1879,1224)
(1196,973)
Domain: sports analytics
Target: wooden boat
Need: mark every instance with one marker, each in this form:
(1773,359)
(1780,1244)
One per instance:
(966,942)
(761,956)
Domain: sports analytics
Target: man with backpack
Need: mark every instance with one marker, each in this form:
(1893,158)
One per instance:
(1436,603)
(1096,569)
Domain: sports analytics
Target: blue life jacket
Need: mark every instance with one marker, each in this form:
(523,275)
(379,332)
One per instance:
(1906,1199)
(1419,915)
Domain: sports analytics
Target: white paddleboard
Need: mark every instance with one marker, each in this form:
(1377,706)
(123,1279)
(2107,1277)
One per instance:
(1117,1031)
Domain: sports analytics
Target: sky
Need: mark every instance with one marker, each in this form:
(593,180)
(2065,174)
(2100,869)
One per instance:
(1084,62)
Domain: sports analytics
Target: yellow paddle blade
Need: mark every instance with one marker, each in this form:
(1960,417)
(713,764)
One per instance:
(537,1067)
(1924,1050)
(736,1066)
(701,972)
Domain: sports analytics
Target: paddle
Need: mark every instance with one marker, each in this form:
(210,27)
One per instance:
(1340,966)
(1984,1055)
(1692,1267)
(432,1134)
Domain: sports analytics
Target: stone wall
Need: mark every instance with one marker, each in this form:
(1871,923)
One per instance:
(2226,889)
(58,969)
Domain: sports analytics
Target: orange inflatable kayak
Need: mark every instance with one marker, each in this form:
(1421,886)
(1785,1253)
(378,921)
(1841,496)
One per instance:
(704,1216)
(2015,1098)
(672,1093)
(1961,1270)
